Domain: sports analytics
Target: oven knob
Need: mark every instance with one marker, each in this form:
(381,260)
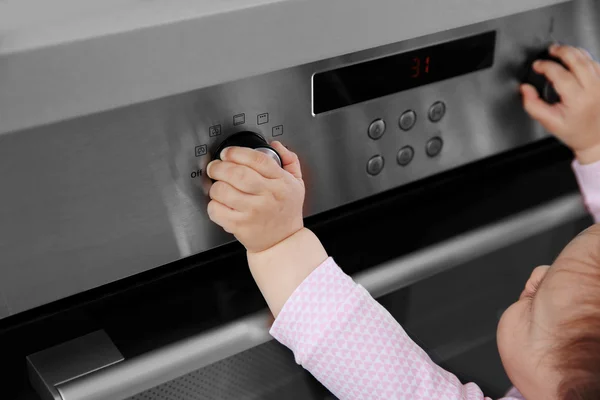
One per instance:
(543,86)
(251,140)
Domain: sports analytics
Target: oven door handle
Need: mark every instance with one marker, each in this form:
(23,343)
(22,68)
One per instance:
(405,271)
(139,374)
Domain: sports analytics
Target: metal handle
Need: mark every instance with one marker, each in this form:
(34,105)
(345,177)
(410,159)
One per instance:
(461,249)
(138,374)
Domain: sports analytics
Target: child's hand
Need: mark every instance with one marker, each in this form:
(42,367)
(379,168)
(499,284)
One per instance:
(254,199)
(576,119)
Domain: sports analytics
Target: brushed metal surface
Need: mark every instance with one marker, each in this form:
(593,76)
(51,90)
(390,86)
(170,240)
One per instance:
(49,368)
(142,373)
(264,372)
(69,58)
(92,200)
(401,273)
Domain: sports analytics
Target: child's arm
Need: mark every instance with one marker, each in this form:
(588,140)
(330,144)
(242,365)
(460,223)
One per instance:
(261,204)
(576,119)
(336,330)
(355,348)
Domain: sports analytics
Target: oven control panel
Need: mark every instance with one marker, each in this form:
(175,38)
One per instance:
(367,122)
(98,198)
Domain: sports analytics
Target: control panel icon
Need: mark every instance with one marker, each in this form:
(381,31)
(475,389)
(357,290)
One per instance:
(214,130)
(201,150)
(278,130)
(239,119)
(262,118)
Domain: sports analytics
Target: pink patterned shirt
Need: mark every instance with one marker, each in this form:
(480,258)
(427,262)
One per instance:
(356,349)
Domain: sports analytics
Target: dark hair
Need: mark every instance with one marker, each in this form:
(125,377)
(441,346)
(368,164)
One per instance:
(579,359)
(578,355)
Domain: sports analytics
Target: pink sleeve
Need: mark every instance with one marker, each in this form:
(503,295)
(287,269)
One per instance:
(588,177)
(355,348)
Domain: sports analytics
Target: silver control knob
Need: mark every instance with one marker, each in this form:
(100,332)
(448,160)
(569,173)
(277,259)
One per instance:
(251,140)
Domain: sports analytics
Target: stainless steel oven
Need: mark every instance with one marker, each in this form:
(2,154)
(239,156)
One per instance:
(426,181)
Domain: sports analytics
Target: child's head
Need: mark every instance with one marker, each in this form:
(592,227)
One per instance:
(549,340)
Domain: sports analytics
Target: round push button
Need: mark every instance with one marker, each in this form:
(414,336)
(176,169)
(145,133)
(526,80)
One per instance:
(434,146)
(437,111)
(405,156)
(376,129)
(407,120)
(375,165)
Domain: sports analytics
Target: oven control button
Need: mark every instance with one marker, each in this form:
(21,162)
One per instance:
(375,165)
(407,120)
(376,129)
(437,111)
(434,146)
(251,140)
(405,156)
(544,87)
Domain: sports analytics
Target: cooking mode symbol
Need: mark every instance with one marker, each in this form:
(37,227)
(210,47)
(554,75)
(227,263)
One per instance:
(262,118)
(201,150)
(278,130)
(214,130)
(239,119)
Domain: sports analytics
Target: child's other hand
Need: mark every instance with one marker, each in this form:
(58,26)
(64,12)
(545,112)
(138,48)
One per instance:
(254,199)
(576,119)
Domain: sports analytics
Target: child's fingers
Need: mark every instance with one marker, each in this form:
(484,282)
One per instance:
(259,162)
(597,68)
(223,216)
(289,159)
(563,81)
(576,61)
(586,53)
(242,178)
(231,197)
(539,109)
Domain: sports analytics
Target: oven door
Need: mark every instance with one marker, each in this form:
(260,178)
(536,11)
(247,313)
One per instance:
(445,256)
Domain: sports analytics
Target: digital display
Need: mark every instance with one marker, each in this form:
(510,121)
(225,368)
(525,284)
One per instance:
(384,76)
